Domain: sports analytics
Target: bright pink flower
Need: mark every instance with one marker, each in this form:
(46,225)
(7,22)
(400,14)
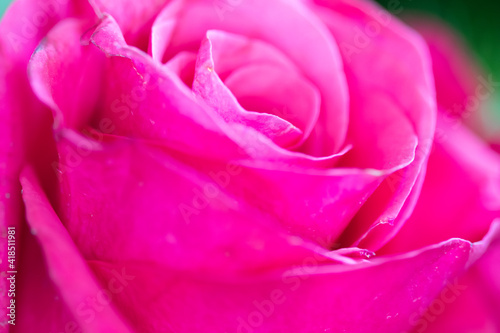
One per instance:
(461,193)
(233,166)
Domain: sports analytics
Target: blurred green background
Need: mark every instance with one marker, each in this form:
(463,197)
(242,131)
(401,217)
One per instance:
(3,5)
(478,22)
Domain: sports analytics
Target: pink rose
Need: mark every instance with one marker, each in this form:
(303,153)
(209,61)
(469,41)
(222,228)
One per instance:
(236,166)
(461,187)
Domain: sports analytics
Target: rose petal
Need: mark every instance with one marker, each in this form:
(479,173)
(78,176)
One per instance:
(264,88)
(135,104)
(373,46)
(151,93)
(182,227)
(26,22)
(135,18)
(67,270)
(11,160)
(384,295)
(462,185)
(25,124)
(62,63)
(164,111)
(455,71)
(464,92)
(313,51)
(209,86)
(460,308)
(472,304)
(183,64)
(249,256)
